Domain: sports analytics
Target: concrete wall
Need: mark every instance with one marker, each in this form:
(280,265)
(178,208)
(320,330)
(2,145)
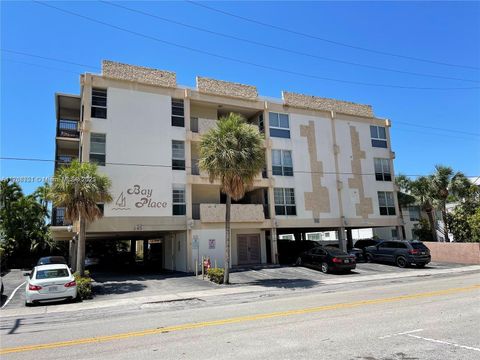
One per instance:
(138,131)
(459,253)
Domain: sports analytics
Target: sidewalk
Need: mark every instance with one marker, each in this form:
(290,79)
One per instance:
(222,290)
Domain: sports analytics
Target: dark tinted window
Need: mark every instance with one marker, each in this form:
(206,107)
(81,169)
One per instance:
(388,244)
(401,245)
(52,273)
(334,251)
(418,245)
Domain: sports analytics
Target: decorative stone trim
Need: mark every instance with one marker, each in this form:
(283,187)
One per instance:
(226,88)
(144,75)
(319,103)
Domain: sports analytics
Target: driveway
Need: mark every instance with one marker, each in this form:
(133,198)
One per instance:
(302,277)
(13,280)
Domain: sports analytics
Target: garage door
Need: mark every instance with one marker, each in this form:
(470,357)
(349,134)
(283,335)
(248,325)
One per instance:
(248,249)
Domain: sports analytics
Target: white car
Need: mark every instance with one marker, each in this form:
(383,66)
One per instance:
(50,283)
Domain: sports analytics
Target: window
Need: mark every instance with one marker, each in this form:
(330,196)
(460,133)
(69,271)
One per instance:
(178,114)
(379,136)
(279,125)
(97,148)
(178,200)
(178,155)
(414,212)
(101,207)
(99,103)
(395,236)
(386,203)
(284,201)
(282,162)
(382,169)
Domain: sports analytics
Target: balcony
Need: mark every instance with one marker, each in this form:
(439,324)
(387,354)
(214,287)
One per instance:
(239,213)
(68,129)
(63,160)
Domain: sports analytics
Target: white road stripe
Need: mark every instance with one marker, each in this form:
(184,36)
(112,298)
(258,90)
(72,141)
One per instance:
(402,333)
(444,342)
(13,294)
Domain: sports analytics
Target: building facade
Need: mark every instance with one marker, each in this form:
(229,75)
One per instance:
(329,165)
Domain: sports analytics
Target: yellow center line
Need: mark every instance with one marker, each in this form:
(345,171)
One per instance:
(233,320)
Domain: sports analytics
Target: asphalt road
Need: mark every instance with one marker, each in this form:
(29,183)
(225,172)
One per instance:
(414,318)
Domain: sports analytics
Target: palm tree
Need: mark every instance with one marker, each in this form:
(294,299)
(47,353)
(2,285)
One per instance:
(232,153)
(447,184)
(42,195)
(79,188)
(421,188)
(404,198)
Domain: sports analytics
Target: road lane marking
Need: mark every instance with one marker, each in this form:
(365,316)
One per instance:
(401,333)
(444,342)
(13,294)
(234,320)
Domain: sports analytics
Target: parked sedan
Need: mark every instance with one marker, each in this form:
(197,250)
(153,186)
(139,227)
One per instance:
(51,260)
(399,252)
(50,283)
(327,259)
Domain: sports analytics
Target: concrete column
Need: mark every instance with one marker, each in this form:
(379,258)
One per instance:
(133,251)
(72,253)
(400,230)
(145,252)
(273,245)
(341,238)
(349,239)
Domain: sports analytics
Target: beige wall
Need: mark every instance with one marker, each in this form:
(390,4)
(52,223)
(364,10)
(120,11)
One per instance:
(458,253)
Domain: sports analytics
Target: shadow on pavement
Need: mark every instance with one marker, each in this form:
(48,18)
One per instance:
(281,283)
(110,277)
(117,288)
(3,300)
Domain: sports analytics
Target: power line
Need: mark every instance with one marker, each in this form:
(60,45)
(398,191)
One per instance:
(437,128)
(41,66)
(150,37)
(187,167)
(49,58)
(292,51)
(295,32)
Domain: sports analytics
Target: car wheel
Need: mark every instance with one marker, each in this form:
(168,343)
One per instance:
(299,261)
(369,258)
(324,268)
(401,262)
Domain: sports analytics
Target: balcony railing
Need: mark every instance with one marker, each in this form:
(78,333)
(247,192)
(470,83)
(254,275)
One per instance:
(215,213)
(68,128)
(64,160)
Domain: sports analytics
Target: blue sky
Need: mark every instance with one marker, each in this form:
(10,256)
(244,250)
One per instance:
(442,32)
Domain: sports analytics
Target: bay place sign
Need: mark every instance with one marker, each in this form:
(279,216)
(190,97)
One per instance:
(140,197)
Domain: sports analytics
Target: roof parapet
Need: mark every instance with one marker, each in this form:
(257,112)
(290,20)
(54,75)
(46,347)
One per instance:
(140,74)
(226,88)
(319,103)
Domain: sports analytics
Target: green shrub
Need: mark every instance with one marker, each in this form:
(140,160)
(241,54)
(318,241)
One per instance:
(216,275)
(84,285)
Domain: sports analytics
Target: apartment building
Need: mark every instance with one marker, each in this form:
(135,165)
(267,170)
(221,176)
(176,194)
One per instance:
(329,165)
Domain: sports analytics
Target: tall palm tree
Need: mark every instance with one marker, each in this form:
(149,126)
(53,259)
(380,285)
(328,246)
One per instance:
(79,188)
(42,195)
(232,153)
(404,184)
(421,188)
(447,184)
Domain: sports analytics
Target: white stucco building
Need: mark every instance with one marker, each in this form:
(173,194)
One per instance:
(329,165)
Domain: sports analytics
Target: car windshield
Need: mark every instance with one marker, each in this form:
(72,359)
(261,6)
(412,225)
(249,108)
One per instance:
(52,273)
(418,245)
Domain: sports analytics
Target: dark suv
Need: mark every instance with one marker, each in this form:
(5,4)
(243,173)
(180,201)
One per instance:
(400,252)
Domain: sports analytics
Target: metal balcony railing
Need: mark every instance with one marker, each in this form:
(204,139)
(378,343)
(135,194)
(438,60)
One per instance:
(58,217)
(68,128)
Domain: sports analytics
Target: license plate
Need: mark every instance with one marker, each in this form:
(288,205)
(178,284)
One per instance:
(53,289)
(346,261)
(423,252)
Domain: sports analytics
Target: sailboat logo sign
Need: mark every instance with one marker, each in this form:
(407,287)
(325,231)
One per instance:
(139,197)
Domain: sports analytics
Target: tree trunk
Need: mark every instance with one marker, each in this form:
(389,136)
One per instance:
(402,226)
(431,220)
(226,276)
(81,247)
(445,227)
